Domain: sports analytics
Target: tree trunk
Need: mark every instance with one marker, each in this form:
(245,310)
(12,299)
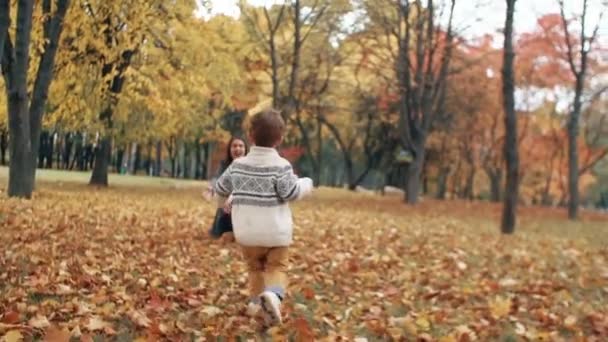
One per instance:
(120,154)
(510,146)
(317,174)
(53,27)
(172,149)
(49,151)
(208,161)
(3,146)
(186,161)
(5,22)
(159,161)
(78,153)
(414,176)
(44,137)
(197,160)
(58,151)
(469,188)
(274,60)
(133,158)
(495,177)
(137,159)
(573,132)
(349,169)
(99,177)
(148,162)
(67,150)
(20,182)
(88,156)
(442,183)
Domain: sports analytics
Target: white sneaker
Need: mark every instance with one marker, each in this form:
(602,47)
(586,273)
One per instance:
(271,308)
(253,309)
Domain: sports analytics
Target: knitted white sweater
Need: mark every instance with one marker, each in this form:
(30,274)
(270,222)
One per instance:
(261,184)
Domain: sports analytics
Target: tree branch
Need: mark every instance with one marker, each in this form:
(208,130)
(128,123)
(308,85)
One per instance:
(568,38)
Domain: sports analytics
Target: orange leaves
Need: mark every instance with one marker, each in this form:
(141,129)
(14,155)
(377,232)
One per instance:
(362,267)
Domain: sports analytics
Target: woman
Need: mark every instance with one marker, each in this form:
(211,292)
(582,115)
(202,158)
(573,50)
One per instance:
(222,224)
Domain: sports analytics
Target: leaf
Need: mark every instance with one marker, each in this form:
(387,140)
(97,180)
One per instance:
(308,293)
(10,317)
(423,324)
(13,336)
(500,307)
(570,321)
(211,311)
(63,289)
(303,329)
(54,334)
(39,322)
(140,318)
(96,323)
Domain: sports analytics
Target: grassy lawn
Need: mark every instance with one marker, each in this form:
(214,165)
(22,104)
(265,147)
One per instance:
(133,261)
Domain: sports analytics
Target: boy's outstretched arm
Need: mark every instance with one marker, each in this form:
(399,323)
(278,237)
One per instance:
(290,187)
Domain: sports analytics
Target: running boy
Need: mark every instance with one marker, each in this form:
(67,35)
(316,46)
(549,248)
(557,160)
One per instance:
(261,184)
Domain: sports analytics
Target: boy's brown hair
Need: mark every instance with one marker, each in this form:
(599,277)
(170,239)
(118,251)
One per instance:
(266,128)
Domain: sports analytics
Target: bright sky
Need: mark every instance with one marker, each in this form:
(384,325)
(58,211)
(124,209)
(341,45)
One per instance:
(477,16)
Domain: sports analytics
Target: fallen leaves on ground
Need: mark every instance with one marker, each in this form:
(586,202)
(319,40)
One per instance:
(128,263)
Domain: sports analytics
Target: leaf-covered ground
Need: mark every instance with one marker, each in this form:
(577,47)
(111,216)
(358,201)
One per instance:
(134,262)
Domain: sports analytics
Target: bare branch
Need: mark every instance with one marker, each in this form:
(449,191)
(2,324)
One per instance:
(314,23)
(568,38)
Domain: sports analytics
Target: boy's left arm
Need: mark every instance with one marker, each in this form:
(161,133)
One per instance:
(223,186)
(290,187)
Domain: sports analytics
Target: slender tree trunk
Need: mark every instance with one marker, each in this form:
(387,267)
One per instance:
(414,175)
(99,177)
(510,147)
(67,150)
(292,103)
(573,133)
(3,146)
(197,160)
(317,174)
(442,182)
(5,21)
(159,159)
(58,152)
(495,177)
(134,158)
(274,60)
(53,27)
(148,162)
(186,160)
(276,97)
(78,155)
(469,189)
(42,149)
(207,165)
(49,151)
(90,155)
(172,149)
(119,162)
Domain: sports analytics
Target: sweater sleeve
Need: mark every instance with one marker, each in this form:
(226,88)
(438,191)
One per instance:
(290,187)
(223,186)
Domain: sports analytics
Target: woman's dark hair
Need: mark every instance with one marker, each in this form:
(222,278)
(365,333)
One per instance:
(228,160)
